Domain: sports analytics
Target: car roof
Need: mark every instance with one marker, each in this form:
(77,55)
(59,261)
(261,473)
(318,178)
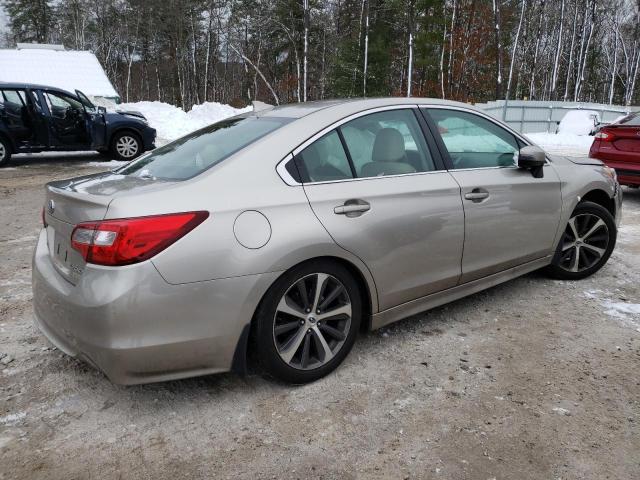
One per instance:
(32,86)
(299,110)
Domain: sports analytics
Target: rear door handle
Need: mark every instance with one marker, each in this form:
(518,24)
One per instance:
(352,209)
(476,195)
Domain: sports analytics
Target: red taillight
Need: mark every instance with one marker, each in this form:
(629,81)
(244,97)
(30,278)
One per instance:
(124,241)
(605,136)
(44,219)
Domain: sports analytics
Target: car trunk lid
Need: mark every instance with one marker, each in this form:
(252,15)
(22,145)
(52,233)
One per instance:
(83,199)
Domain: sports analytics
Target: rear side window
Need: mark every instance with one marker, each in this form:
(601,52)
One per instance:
(375,145)
(324,160)
(14,98)
(473,141)
(193,154)
(387,143)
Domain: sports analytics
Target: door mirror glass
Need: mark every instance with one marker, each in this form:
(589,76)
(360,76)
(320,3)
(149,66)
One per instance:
(102,110)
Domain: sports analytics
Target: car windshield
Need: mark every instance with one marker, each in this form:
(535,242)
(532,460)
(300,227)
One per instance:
(193,154)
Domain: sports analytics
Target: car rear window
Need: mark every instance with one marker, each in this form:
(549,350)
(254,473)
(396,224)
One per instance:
(194,153)
(632,120)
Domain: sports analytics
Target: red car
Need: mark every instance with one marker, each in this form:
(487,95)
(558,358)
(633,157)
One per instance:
(618,145)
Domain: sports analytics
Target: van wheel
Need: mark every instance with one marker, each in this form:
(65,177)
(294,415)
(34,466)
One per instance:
(308,321)
(126,146)
(5,152)
(586,243)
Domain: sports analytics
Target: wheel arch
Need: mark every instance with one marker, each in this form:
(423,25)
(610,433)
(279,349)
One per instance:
(240,357)
(601,198)
(123,129)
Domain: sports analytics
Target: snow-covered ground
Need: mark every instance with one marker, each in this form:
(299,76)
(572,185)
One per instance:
(172,122)
(568,144)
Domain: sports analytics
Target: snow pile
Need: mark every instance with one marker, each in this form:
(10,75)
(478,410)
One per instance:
(172,122)
(579,122)
(563,143)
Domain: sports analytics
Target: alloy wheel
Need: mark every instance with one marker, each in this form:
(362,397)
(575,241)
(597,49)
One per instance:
(585,241)
(127,146)
(3,151)
(312,321)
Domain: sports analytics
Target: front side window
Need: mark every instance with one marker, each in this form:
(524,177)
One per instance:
(194,153)
(60,104)
(473,141)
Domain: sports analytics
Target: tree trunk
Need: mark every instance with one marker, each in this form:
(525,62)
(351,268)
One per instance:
(515,50)
(498,40)
(366,53)
(554,76)
(306,46)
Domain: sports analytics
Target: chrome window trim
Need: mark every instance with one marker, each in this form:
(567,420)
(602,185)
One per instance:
(381,177)
(286,177)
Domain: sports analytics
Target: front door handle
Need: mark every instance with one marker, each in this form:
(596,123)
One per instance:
(352,208)
(476,195)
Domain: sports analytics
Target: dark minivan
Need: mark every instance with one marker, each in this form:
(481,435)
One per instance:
(35,118)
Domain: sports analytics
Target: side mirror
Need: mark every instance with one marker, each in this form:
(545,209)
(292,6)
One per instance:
(102,110)
(532,158)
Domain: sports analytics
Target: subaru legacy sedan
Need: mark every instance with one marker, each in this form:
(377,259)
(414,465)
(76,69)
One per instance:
(282,233)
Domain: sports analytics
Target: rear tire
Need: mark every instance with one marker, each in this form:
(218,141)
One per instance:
(586,243)
(126,146)
(5,152)
(301,335)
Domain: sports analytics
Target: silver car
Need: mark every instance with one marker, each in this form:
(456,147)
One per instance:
(283,232)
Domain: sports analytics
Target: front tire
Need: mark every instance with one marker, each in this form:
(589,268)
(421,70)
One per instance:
(586,243)
(126,146)
(5,152)
(308,321)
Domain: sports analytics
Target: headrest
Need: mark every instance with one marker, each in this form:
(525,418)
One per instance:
(388,146)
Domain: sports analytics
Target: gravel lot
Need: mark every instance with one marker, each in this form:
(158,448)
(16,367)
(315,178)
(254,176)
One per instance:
(529,380)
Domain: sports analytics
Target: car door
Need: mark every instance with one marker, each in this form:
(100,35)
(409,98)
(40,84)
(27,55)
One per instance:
(95,122)
(511,217)
(382,195)
(14,113)
(66,120)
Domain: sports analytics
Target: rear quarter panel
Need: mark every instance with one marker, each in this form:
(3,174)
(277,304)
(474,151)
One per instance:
(245,182)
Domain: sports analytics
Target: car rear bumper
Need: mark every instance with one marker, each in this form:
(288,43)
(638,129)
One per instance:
(137,328)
